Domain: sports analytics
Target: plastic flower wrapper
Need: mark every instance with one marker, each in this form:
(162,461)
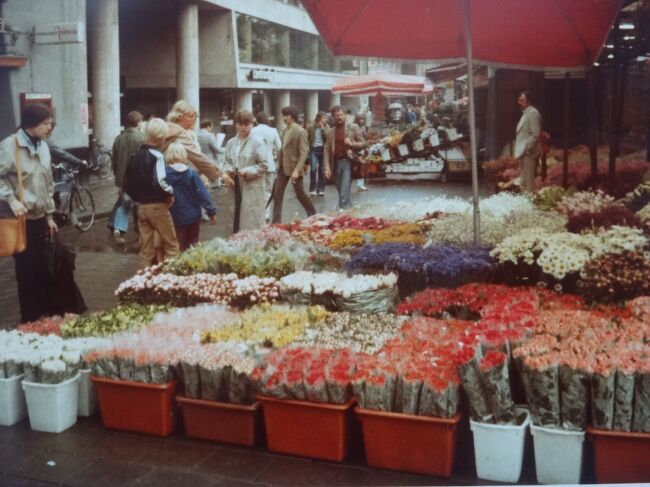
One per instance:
(471,379)
(97,363)
(641,421)
(375,301)
(126,363)
(160,371)
(112,365)
(141,367)
(294,383)
(494,367)
(53,371)
(31,368)
(623,399)
(574,392)
(380,390)
(542,389)
(242,389)
(411,386)
(440,395)
(191,376)
(337,374)
(603,386)
(73,361)
(13,364)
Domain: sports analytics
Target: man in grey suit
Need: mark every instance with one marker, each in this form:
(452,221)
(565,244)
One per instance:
(291,164)
(208,141)
(527,143)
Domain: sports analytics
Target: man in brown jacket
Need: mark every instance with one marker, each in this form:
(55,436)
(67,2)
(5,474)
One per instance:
(291,164)
(339,139)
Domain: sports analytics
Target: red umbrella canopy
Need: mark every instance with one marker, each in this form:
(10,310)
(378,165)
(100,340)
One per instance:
(526,33)
(385,84)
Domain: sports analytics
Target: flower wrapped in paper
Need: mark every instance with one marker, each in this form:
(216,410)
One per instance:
(641,422)
(603,387)
(541,379)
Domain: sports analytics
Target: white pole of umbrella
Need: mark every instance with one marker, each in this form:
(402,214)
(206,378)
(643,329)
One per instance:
(472,120)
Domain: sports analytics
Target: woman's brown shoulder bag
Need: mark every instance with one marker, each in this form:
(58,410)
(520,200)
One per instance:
(13,231)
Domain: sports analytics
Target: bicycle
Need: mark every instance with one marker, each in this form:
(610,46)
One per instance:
(100,159)
(78,207)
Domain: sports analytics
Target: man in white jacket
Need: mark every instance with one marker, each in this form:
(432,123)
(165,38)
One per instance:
(273,144)
(527,143)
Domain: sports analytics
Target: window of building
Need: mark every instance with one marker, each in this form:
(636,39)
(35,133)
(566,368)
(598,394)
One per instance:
(262,42)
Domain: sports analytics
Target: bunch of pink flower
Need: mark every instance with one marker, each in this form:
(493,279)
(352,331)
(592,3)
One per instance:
(49,325)
(268,236)
(581,357)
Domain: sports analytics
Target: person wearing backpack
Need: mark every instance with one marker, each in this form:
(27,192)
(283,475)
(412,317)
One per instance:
(190,195)
(145,181)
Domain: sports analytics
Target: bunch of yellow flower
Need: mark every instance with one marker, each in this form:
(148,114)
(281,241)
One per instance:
(347,238)
(412,233)
(272,325)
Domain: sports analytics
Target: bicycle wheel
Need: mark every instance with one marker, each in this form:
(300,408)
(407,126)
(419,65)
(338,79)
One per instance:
(82,209)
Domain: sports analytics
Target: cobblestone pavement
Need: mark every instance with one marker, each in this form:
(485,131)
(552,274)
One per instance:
(89,455)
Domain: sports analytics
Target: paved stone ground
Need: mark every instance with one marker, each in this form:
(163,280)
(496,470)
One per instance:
(89,455)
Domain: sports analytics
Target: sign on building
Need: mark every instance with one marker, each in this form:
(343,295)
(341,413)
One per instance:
(68,33)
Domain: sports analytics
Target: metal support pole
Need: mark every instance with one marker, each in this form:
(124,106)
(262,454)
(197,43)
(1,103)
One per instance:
(614,104)
(592,125)
(472,121)
(565,154)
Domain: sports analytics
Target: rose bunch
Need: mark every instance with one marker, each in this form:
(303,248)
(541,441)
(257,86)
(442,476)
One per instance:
(48,325)
(582,357)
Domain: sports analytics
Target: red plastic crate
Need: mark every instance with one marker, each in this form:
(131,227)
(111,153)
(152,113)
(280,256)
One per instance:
(308,429)
(409,443)
(620,457)
(220,421)
(135,406)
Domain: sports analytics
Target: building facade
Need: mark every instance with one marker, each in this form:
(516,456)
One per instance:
(99,59)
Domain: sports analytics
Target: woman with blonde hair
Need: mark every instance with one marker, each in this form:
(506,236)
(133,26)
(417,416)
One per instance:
(247,160)
(181,121)
(190,195)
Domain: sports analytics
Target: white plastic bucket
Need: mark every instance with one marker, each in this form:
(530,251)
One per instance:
(499,450)
(13,408)
(558,455)
(52,407)
(87,395)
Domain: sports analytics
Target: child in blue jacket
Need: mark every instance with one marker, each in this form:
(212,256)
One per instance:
(190,195)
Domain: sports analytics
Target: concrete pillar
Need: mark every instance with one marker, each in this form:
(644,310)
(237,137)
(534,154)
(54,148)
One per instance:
(187,54)
(282,99)
(311,106)
(335,100)
(104,47)
(244,100)
(268,103)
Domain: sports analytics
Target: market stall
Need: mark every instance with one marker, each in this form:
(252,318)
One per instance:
(382,315)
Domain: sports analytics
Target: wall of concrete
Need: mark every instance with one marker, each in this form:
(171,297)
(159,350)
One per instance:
(148,44)
(217,48)
(59,69)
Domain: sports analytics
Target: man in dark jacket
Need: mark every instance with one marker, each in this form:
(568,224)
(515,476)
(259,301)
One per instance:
(145,183)
(125,145)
